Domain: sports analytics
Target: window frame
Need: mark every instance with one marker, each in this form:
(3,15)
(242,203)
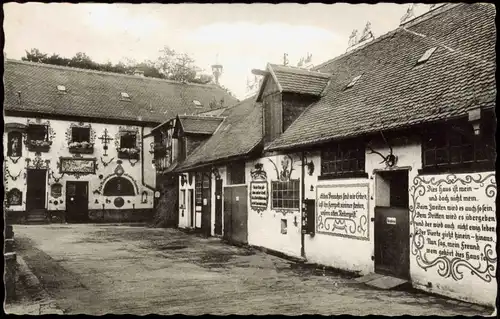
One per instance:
(338,156)
(29,132)
(81,129)
(294,198)
(457,137)
(126,135)
(238,167)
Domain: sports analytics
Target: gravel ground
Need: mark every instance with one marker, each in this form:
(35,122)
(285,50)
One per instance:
(101,269)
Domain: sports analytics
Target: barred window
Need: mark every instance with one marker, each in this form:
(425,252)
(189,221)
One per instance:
(341,159)
(285,194)
(454,146)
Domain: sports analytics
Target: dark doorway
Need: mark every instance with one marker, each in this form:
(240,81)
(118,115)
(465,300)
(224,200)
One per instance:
(392,229)
(77,202)
(36,189)
(218,207)
(206,209)
(235,214)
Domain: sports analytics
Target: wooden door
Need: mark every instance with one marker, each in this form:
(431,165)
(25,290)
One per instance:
(239,215)
(235,214)
(228,195)
(206,208)
(392,228)
(36,191)
(77,201)
(218,207)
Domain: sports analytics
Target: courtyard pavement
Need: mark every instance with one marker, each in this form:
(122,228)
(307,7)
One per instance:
(109,269)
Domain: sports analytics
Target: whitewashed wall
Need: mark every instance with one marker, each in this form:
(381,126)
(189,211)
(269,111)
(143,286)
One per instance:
(106,166)
(453,223)
(264,226)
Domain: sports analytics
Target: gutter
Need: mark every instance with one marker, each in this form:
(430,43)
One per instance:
(142,162)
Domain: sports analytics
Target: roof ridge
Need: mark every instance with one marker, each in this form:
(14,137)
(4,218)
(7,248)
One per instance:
(46,65)
(201,116)
(424,17)
(311,73)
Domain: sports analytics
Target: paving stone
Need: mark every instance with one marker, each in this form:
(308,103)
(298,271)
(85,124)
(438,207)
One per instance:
(100,269)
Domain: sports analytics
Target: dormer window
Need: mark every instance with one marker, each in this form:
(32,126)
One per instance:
(351,84)
(61,89)
(426,56)
(197,103)
(124,96)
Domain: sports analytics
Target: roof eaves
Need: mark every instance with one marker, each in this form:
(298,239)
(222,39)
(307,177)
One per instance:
(270,68)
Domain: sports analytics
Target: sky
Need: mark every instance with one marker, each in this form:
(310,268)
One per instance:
(241,37)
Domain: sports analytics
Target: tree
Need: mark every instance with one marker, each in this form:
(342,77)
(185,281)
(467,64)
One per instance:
(179,67)
(34,55)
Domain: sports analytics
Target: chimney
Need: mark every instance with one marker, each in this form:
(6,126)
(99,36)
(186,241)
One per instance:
(139,73)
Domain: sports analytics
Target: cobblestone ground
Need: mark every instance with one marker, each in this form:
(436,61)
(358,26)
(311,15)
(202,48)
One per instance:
(100,269)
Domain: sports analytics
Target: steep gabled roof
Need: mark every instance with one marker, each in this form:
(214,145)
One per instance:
(198,124)
(97,94)
(393,91)
(296,80)
(238,135)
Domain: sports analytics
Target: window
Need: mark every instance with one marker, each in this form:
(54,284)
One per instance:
(80,134)
(426,56)
(37,132)
(455,147)
(351,84)
(197,103)
(236,173)
(285,195)
(118,186)
(14,147)
(197,191)
(61,89)
(183,199)
(128,140)
(346,159)
(124,96)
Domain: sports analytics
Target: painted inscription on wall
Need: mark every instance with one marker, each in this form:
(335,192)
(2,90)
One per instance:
(342,210)
(454,224)
(259,195)
(72,165)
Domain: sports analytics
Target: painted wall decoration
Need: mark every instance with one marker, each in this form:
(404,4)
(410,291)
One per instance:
(118,186)
(342,210)
(37,162)
(453,220)
(105,140)
(56,190)
(286,168)
(7,173)
(258,172)
(106,163)
(259,195)
(119,172)
(77,166)
(14,145)
(14,197)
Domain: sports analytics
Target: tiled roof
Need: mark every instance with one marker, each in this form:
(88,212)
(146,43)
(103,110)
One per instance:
(392,92)
(239,134)
(97,94)
(199,124)
(296,80)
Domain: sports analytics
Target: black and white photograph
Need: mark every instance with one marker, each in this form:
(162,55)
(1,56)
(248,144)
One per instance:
(250,159)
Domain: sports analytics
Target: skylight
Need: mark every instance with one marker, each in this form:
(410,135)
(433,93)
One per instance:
(197,103)
(125,96)
(426,55)
(61,88)
(353,81)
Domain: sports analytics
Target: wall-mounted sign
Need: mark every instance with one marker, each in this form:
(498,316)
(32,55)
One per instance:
(81,166)
(157,194)
(342,210)
(259,195)
(205,201)
(56,190)
(237,198)
(14,197)
(454,225)
(391,220)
